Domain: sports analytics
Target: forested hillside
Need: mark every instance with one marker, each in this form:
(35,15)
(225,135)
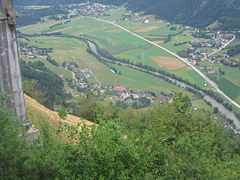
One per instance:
(199,13)
(45,2)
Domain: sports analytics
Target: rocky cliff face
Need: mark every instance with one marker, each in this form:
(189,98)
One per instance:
(10,78)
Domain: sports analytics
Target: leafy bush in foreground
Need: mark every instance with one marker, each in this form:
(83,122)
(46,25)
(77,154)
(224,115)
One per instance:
(166,142)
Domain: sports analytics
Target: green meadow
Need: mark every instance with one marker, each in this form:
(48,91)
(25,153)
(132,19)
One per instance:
(231,89)
(142,81)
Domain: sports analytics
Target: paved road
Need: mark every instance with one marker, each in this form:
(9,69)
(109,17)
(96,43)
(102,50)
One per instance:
(74,76)
(212,83)
(225,45)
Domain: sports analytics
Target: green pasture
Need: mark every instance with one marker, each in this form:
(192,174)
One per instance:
(205,63)
(118,38)
(143,55)
(163,30)
(175,48)
(188,74)
(231,73)
(234,43)
(201,104)
(58,70)
(58,43)
(235,57)
(134,26)
(39,27)
(182,38)
(85,26)
(206,49)
(231,89)
(234,72)
(142,81)
(121,48)
(100,41)
(115,14)
(238,101)
(220,52)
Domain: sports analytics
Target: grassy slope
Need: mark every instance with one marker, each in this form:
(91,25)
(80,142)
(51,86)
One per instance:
(37,113)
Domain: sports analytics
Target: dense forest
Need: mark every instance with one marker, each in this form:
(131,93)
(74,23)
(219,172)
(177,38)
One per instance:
(198,13)
(167,141)
(42,84)
(32,16)
(45,2)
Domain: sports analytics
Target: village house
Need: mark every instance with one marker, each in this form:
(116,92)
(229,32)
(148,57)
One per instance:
(120,89)
(86,72)
(70,64)
(194,62)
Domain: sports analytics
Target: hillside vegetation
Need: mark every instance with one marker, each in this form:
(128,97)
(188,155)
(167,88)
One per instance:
(165,142)
(37,113)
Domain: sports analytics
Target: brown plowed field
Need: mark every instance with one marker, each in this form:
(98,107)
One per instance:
(150,28)
(158,42)
(154,37)
(170,63)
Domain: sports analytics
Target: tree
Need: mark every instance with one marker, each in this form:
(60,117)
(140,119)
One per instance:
(11,145)
(62,113)
(215,110)
(181,103)
(167,141)
(30,88)
(89,109)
